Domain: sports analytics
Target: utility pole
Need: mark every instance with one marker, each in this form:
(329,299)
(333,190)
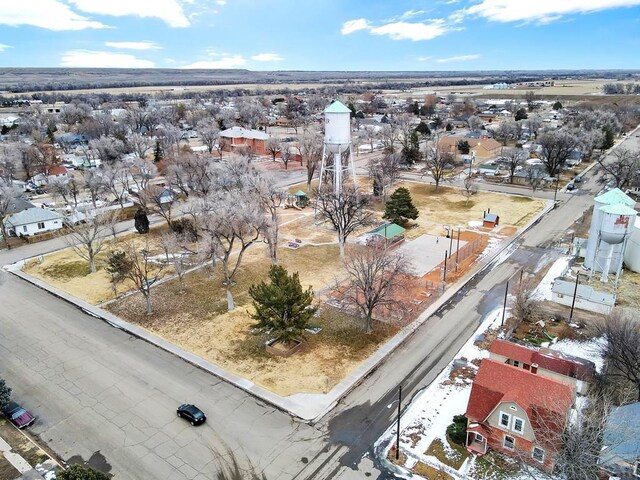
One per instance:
(398,425)
(458,249)
(504,307)
(444,272)
(555,194)
(575,292)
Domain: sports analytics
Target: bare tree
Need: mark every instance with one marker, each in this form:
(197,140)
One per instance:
(437,162)
(469,189)
(136,265)
(274,146)
(556,147)
(209,132)
(10,158)
(385,172)
(8,195)
(109,149)
(535,178)
(234,221)
(158,200)
(369,134)
(621,347)
(475,123)
(94,183)
(346,211)
(530,98)
(389,136)
(310,148)
(525,303)
(515,157)
(271,198)
(115,178)
(622,170)
(176,254)
(65,188)
(374,278)
(140,144)
(141,171)
(87,237)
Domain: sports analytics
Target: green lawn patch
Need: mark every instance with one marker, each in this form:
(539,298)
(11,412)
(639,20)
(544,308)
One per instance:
(450,454)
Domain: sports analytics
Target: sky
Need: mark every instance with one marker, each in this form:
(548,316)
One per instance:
(381,35)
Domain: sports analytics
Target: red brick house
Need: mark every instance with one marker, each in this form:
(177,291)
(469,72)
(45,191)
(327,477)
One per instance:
(573,371)
(236,138)
(517,412)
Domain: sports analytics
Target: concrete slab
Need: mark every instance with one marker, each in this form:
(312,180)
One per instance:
(427,251)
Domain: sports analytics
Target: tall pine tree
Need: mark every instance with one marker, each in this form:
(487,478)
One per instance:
(399,208)
(282,307)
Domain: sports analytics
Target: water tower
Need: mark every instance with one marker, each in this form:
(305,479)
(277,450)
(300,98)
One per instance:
(596,257)
(616,226)
(337,160)
(632,252)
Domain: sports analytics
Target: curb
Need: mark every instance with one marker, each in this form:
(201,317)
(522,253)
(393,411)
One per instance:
(307,407)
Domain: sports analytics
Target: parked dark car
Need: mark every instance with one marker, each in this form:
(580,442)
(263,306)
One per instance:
(192,413)
(17,415)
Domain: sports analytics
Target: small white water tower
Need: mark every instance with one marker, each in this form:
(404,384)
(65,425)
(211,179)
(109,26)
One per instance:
(616,224)
(336,155)
(632,252)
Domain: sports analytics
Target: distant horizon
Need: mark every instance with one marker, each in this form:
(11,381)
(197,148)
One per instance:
(332,35)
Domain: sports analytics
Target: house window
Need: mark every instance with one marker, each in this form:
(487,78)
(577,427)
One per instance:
(505,419)
(526,366)
(509,442)
(24,228)
(534,368)
(518,425)
(538,454)
(516,363)
(512,407)
(40,225)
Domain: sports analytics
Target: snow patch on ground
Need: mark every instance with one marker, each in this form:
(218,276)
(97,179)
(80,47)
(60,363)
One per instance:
(559,267)
(589,350)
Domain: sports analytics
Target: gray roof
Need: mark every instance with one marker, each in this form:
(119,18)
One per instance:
(622,436)
(584,291)
(18,205)
(31,215)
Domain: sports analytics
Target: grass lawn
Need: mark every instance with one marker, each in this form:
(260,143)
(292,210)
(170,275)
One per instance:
(6,469)
(197,320)
(20,445)
(430,472)
(494,466)
(451,454)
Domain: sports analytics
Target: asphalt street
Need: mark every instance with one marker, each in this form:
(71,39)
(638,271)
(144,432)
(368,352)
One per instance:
(104,395)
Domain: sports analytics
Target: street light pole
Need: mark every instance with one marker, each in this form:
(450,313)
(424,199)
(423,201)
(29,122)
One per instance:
(398,424)
(457,249)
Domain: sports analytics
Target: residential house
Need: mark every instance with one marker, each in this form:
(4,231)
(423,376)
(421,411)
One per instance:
(52,172)
(586,297)
(483,148)
(236,138)
(574,158)
(33,221)
(620,455)
(518,413)
(574,371)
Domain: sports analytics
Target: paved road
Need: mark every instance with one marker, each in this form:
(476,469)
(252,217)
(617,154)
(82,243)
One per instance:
(101,394)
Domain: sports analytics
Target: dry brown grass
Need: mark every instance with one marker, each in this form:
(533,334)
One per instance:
(197,320)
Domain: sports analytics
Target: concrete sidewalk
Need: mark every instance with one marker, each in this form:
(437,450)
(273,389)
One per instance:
(308,407)
(25,470)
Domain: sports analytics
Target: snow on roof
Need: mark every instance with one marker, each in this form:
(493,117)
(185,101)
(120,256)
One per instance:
(337,107)
(239,132)
(584,291)
(32,215)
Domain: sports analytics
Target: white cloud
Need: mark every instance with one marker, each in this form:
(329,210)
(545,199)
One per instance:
(412,31)
(544,11)
(97,59)
(144,45)
(351,26)
(168,11)
(267,57)
(225,61)
(4,46)
(412,13)
(221,2)
(49,14)
(424,59)
(459,58)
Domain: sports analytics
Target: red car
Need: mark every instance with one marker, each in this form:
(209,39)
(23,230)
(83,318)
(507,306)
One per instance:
(17,415)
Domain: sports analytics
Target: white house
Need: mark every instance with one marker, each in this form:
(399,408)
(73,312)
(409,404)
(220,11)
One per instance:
(33,221)
(586,297)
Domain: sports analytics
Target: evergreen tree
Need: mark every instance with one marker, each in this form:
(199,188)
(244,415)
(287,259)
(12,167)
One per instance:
(282,307)
(80,472)
(423,129)
(521,114)
(158,153)
(464,147)
(557,105)
(609,139)
(399,208)
(5,394)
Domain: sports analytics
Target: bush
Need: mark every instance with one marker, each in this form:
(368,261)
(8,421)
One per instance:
(457,431)
(186,228)
(80,472)
(5,394)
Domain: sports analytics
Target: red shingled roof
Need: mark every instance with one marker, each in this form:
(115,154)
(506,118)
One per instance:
(56,170)
(498,382)
(546,358)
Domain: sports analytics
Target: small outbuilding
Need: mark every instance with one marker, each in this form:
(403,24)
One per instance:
(390,232)
(302,199)
(490,220)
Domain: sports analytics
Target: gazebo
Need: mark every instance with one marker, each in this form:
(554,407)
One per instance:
(391,232)
(302,199)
